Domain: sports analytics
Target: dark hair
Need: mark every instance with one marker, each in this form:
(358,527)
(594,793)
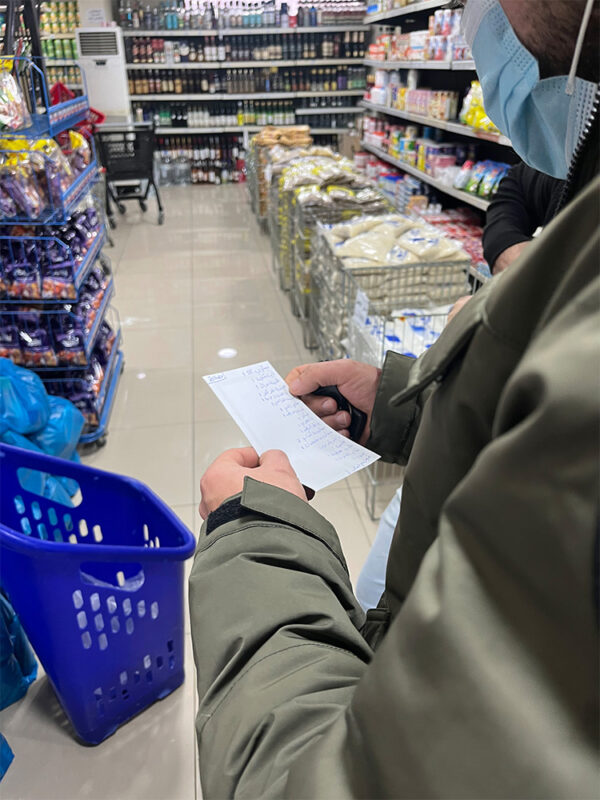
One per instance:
(552,43)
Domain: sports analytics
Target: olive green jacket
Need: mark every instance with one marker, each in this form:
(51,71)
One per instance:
(477,676)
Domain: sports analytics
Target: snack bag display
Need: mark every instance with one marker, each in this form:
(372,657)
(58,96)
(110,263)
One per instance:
(19,193)
(473,113)
(80,154)
(476,176)
(14,115)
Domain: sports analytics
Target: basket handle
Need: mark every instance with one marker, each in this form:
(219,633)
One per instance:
(19,457)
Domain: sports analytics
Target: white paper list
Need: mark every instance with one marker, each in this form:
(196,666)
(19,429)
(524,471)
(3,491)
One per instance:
(259,401)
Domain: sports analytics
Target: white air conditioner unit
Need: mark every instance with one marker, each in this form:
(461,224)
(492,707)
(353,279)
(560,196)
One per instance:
(102,59)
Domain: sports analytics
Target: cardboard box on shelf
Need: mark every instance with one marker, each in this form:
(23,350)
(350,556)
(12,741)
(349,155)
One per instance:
(349,144)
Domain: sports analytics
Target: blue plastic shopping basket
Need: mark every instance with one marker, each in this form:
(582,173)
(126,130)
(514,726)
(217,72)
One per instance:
(98,586)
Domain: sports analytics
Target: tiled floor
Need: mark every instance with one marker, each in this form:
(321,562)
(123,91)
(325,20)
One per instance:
(200,283)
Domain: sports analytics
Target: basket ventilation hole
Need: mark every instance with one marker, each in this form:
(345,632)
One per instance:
(115,625)
(73,539)
(102,641)
(42,531)
(156,541)
(171,662)
(82,620)
(25,526)
(99,701)
(97,533)
(147,662)
(95,601)
(68,522)
(159,661)
(151,543)
(123,678)
(99,622)
(58,537)
(170,646)
(141,608)
(52,516)
(111,604)
(36,510)
(20,505)
(149,676)
(146,531)
(112,694)
(136,676)
(154,610)
(121,582)
(77,599)
(86,640)
(83,528)
(125,694)
(126,606)
(129,626)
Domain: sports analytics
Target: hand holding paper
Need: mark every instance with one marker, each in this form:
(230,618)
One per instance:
(225,476)
(259,401)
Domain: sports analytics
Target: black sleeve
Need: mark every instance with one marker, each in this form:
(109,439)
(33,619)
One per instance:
(525,200)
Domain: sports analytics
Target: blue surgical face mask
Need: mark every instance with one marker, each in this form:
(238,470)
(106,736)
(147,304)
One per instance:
(544,119)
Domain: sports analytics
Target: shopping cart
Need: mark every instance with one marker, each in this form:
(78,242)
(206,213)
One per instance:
(127,154)
(97,584)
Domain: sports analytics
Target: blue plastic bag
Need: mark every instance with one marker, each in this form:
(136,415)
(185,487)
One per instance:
(24,406)
(6,756)
(18,667)
(60,435)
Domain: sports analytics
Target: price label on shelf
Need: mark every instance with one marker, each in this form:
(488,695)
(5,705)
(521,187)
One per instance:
(361,308)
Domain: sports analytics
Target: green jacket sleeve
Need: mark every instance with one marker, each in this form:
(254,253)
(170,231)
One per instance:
(485,685)
(276,641)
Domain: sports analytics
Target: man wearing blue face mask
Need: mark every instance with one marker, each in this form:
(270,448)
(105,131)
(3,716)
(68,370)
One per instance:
(477,674)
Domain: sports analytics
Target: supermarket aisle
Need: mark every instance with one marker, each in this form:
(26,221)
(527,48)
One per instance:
(186,292)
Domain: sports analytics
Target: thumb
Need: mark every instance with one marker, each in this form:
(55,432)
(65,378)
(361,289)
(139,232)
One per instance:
(308,378)
(244,456)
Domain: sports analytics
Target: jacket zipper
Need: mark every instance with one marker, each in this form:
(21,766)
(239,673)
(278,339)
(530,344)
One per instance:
(579,149)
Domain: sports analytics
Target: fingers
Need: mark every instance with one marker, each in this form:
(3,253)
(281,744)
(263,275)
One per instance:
(338,421)
(305,379)
(243,456)
(321,406)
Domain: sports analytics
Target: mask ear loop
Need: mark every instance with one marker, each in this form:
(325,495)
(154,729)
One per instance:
(579,46)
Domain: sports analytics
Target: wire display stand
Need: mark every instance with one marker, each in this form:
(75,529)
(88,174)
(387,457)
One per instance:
(306,220)
(363,312)
(55,283)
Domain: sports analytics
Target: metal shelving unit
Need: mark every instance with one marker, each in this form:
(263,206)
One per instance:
(445,65)
(69,35)
(239,129)
(61,62)
(446,125)
(337,110)
(470,199)
(393,13)
(201,98)
(186,34)
(307,62)
(336,93)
